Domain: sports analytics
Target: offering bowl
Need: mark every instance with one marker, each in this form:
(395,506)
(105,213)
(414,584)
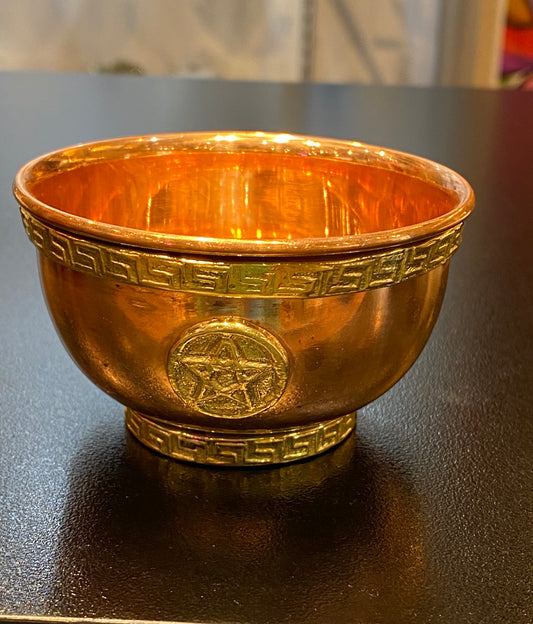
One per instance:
(242,294)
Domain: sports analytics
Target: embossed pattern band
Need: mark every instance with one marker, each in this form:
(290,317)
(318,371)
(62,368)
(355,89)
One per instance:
(294,279)
(252,449)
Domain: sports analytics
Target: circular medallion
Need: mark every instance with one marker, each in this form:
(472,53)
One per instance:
(228,368)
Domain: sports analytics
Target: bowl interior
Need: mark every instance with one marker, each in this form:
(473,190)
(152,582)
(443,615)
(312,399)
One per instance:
(244,195)
(251,193)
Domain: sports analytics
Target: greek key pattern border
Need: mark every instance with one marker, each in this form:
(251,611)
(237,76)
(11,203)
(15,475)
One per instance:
(295,278)
(254,449)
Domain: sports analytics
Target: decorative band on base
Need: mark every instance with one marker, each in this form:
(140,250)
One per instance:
(254,448)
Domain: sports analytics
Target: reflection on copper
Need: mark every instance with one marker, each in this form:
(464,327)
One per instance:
(235,195)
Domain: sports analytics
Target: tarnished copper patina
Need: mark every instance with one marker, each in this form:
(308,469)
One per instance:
(242,294)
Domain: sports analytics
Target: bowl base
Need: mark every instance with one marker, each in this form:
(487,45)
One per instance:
(225,448)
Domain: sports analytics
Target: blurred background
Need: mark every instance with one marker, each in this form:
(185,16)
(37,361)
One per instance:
(481,43)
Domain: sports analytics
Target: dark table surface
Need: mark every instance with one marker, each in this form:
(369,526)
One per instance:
(425,516)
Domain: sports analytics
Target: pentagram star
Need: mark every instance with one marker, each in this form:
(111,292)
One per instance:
(226,377)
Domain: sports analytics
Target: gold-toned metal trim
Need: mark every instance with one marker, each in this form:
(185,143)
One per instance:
(253,448)
(321,277)
(228,368)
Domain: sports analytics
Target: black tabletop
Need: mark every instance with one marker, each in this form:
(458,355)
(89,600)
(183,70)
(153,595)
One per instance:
(426,515)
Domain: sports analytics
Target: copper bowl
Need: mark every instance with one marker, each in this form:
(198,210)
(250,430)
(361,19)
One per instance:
(242,294)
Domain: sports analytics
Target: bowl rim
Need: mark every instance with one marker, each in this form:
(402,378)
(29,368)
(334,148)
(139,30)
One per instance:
(230,141)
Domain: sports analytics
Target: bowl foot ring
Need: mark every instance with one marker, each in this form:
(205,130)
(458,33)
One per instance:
(225,448)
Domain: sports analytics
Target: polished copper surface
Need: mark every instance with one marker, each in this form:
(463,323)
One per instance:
(149,264)
(249,193)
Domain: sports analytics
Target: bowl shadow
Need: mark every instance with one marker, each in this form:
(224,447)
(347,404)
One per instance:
(334,539)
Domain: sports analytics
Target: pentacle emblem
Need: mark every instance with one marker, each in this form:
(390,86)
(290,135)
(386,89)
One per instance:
(228,368)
